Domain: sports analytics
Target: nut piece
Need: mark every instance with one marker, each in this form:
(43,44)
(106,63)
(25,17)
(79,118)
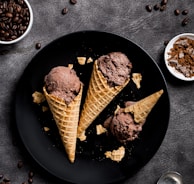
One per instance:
(100,129)
(81,60)
(38,97)
(116,155)
(137,77)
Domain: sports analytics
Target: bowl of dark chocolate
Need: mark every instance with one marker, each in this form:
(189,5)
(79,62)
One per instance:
(16,19)
(179,56)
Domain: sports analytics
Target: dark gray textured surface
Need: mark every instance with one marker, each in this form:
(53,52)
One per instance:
(125,18)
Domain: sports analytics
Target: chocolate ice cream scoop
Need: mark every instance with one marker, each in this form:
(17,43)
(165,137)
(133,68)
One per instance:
(123,127)
(116,68)
(63,82)
(127,122)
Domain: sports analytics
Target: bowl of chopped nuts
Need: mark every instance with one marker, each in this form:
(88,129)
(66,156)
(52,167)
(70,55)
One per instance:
(16,19)
(179,56)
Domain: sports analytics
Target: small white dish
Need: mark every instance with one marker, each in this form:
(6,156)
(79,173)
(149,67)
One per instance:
(170,177)
(26,31)
(171,69)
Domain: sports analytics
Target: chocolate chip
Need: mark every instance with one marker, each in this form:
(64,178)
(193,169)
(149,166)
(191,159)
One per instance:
(164,2)
(1,176)
(31,174)
(148,8)
(185,21)
(73,1)
(38,45)
(30,180)
(177,12)
(64,11)
(185,12)
(156,7)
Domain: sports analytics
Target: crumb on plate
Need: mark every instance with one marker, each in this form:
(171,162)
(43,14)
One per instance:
(89,60)
(100,129)
(81,60)
(46,129)
(137,77)
(116,155)
(38,97)
(70,66)
(44,108)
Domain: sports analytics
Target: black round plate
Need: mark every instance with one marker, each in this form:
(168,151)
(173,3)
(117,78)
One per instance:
(90,165)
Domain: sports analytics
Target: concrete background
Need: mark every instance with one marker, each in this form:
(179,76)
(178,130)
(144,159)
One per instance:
(126,18)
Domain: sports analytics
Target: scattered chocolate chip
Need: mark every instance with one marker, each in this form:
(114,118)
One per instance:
(185,12)
(31,174)
(177,12)
(73,1)
(64,11)
(38,45)
(30,180)
(156,7)
(185,21)
(1,176)
(148,8)
(164,2)
(20,164)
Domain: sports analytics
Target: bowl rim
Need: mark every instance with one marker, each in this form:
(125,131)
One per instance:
(172,70)
(27,30)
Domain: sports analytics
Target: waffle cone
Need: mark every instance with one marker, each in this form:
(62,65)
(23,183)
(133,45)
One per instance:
(142,108)
(66,118)
(99,95)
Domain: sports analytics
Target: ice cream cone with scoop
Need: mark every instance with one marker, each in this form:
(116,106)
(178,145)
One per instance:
(63,92)
(142,108)
(109,76)
(127,123)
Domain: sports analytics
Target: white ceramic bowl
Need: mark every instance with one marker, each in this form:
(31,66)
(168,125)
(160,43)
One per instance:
(26,31)
(170,177)
(171,69)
